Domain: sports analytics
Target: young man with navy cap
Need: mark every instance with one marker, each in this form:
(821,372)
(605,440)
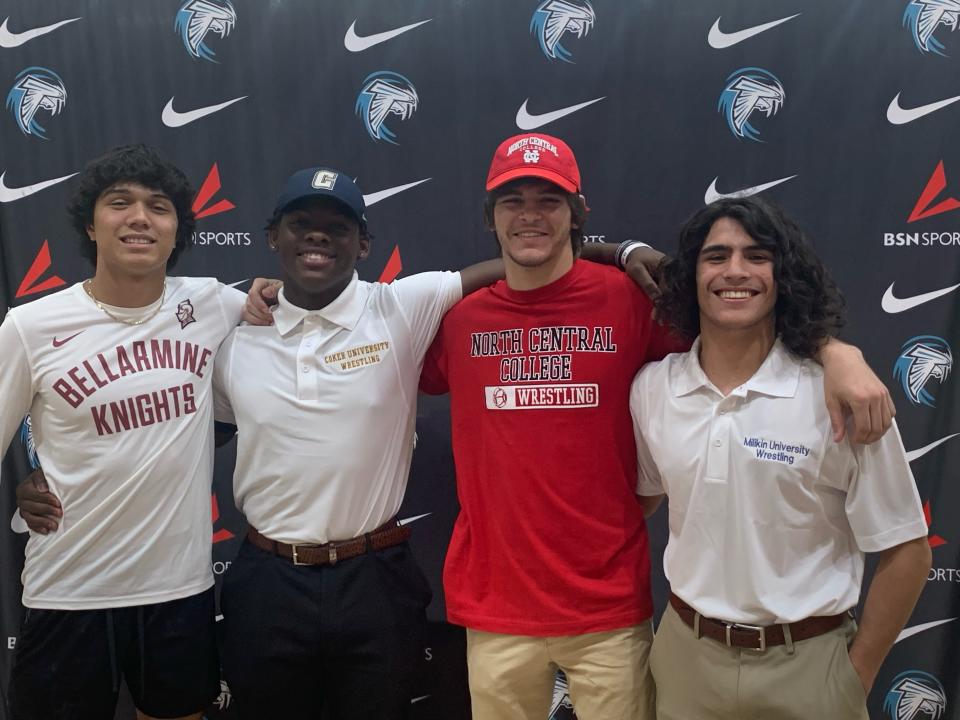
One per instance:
(324,605)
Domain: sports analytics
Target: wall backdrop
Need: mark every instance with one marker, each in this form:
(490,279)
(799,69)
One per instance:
(842,111)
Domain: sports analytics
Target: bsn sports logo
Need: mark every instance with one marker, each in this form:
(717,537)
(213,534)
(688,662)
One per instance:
(922,359)
(198,18)
(750,89)
(385,93)
(924,17)
(554,18)
(35,89)
(915,695)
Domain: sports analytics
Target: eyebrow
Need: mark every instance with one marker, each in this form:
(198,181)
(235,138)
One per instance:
(122,190)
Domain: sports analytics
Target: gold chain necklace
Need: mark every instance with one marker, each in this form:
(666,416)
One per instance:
(141,321)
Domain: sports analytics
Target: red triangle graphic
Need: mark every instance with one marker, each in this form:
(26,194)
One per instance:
(41,263)
(211,185)
(935,185)
(393,267)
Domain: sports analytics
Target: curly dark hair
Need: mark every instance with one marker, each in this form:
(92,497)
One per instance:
(809,307)
(578,209)
(140,164)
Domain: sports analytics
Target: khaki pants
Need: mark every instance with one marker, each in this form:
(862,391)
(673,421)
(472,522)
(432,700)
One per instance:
(512,676)
(701,679)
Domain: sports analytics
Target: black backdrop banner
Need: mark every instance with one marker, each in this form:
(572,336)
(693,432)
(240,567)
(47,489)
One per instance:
(842,112)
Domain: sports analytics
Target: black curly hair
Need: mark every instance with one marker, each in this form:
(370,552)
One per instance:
(809,308)
(577,203)
(140,164)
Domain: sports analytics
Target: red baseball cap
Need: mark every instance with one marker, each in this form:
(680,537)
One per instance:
(534,155)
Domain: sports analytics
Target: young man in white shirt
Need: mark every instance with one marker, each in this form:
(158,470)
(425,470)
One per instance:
(769,519)
(116,373)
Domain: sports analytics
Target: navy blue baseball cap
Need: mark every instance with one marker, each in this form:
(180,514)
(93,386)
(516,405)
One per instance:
(322,182)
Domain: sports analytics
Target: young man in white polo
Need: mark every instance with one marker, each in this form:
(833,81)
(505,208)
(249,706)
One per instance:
(769,518)
(548,566)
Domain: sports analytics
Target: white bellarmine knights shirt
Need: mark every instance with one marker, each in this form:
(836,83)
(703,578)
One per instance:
(122,421)
(325,403)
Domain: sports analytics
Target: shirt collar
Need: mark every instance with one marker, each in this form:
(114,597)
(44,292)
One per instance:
(778,376)
(344,311)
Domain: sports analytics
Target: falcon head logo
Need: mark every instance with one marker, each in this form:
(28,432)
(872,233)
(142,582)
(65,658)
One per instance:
(185,313)
(26,437)
(225,698)
(749,89)
(915,695)
(922,358)
(35,89)
(554,18)
(385,93)
(198,18)
(924,17)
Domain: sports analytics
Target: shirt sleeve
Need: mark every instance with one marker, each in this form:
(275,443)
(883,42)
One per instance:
(16,382)
(425,299)
(882,505)
(232,301)
(222,409)
(433,376)
(649,481)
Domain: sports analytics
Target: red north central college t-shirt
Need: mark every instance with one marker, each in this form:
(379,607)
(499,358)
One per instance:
(550,539)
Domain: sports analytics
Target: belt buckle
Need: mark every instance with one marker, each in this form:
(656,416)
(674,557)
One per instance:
(760,630)
(295,558)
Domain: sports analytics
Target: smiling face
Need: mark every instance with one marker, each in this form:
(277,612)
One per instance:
(319,243)
(533,221)
(736,289)
(135,229)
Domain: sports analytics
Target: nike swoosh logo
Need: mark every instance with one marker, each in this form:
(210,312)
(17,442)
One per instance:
(418,699)
(9,39)
(374,198)
(172,118)
(901,116)
(719,39)
(529,121)
(712,195)
(911,631)
(59,343)
(916,454)
(238,282)
(894,305)
(407,521)
(9,194)
(359,43)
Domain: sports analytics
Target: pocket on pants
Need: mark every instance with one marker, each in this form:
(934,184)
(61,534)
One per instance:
(851,680)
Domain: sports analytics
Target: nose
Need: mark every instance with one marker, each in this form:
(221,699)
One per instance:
(736,267)
(138,217)
(529,210)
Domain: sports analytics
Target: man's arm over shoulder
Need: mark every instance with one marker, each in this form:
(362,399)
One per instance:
(231,302)
(424,299)
(650,486)
(16,381)
(433,375)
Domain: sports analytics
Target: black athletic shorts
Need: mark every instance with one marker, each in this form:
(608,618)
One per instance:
(68,664)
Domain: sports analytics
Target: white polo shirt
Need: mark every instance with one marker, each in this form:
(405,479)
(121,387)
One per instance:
(769,517)
(325,402)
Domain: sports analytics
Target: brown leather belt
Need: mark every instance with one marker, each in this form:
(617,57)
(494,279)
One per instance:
(387,535)
(755,637)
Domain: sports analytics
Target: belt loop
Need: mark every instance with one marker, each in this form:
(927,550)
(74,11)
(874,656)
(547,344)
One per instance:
(367,547)
(696,625)
(788,638)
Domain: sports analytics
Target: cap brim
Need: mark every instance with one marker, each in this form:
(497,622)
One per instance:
(281,209)
(542,173)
